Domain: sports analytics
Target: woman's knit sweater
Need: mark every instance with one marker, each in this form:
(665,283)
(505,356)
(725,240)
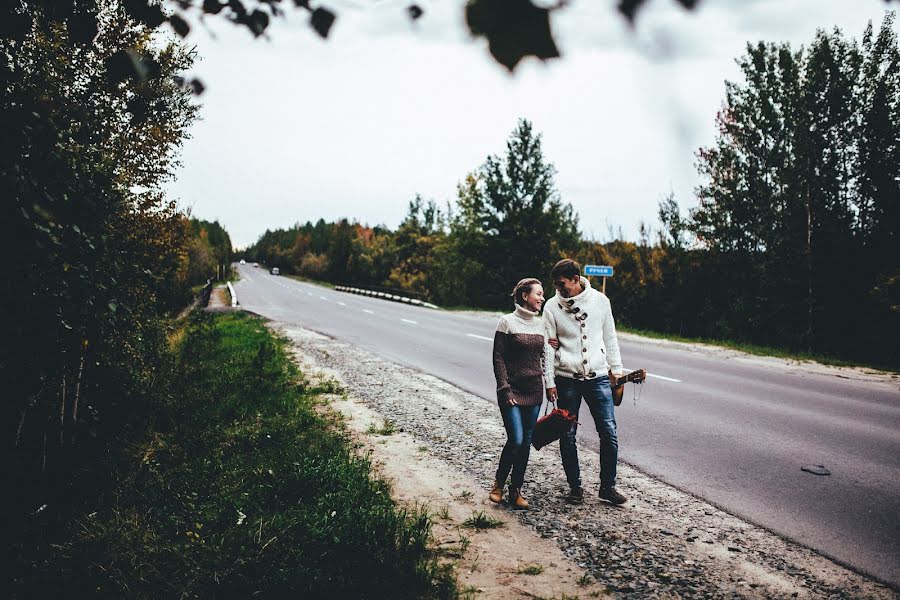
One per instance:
(523,361)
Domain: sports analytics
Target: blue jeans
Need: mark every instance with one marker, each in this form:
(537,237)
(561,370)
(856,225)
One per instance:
(519,422)
(598,395)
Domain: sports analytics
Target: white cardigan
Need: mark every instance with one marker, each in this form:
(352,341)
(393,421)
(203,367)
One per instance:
(588,345)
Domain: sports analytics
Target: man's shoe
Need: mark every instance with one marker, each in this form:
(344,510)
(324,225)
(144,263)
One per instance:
(576,496)
(496,494)
(613,496)
(517,500)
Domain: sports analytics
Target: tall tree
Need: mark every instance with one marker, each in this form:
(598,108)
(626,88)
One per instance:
(515,203)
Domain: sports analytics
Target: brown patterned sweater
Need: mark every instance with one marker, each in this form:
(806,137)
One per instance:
(523,360)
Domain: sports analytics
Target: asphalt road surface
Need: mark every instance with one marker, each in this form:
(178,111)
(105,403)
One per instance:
(732,432)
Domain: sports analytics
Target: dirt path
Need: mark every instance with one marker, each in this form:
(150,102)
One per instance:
(663,544)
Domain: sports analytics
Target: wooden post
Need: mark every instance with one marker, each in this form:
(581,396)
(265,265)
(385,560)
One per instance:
(604,286)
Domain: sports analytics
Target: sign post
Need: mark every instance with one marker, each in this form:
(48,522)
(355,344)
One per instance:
(598,271)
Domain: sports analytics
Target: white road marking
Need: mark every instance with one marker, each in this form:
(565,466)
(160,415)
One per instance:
(322,298)
(408,321)
(661,377)
(479,337)
(342,303)
(366,310)
(655,376)
(309,293)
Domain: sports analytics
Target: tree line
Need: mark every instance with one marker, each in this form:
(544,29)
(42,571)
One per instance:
(793,243)
(93,110)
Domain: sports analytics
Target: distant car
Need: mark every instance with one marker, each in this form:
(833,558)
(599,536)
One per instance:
(243,262)
(275,271)
(255,264)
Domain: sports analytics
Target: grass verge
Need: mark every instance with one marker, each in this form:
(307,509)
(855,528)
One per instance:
(241,488)
(318,282)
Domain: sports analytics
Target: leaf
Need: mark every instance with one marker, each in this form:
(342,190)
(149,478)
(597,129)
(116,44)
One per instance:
(629,8)
(141,10)
(113,306)
(321,20)
(257,22)
(180,26)
(514,28)
(212,7)
(197,87)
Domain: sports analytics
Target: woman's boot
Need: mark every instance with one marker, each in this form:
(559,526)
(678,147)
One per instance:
(516,499)
(496,494)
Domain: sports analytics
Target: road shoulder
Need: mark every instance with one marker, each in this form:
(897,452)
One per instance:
(664,544)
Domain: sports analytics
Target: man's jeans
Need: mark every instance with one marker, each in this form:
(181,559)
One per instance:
(519,422)
(598,395)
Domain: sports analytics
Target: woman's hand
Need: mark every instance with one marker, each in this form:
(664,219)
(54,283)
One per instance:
(512,401)
(554,343)
(552,396)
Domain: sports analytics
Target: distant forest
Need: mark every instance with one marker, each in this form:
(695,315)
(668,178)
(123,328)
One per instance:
(794,243)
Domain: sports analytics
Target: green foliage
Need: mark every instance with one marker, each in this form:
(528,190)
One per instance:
(243,489)
(469,253)
(95,252)
(799,214)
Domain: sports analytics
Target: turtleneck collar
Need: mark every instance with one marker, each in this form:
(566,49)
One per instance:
(578,298)
(524,313)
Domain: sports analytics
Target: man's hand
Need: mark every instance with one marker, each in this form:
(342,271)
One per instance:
(554,343)
(552,396)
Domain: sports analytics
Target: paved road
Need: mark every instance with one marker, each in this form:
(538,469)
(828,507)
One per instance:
(732,432)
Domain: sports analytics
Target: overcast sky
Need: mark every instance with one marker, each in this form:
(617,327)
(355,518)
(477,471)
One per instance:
(294,128)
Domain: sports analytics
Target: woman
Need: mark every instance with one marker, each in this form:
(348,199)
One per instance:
(523,366)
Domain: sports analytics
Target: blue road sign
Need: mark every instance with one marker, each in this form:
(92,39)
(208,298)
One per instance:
(598,271)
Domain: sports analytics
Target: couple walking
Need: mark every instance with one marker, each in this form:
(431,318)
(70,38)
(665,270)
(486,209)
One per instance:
(569,353)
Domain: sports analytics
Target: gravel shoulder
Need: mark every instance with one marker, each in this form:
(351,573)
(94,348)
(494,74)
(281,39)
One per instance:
(663,544)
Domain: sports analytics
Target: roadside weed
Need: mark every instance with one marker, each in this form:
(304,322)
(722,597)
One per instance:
(530,569)
(479,520)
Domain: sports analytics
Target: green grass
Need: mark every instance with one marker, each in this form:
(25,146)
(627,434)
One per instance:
(530,569)
(759,350)
(242,489)
(386,428)
(480,520)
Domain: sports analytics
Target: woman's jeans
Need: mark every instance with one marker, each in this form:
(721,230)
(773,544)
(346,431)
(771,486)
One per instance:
(598,395)
(519,422)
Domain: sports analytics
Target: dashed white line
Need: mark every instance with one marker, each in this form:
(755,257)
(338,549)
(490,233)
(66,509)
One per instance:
(479,337)
(366,310)
(322,298)
(342,303)
(655,376)
(408,321)
(661,377)
(309,293)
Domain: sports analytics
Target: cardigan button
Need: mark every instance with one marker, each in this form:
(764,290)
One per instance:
(584,349)
(582,325)
(584,362)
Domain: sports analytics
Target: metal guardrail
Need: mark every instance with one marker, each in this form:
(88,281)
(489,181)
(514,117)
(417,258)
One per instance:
(379,293)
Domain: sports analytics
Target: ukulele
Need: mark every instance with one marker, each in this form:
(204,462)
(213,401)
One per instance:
(618,383)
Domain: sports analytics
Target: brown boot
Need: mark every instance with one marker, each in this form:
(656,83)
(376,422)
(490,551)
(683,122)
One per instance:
(496,494)
(516,499)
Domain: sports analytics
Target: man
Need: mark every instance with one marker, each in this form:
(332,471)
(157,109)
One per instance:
(579,323)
